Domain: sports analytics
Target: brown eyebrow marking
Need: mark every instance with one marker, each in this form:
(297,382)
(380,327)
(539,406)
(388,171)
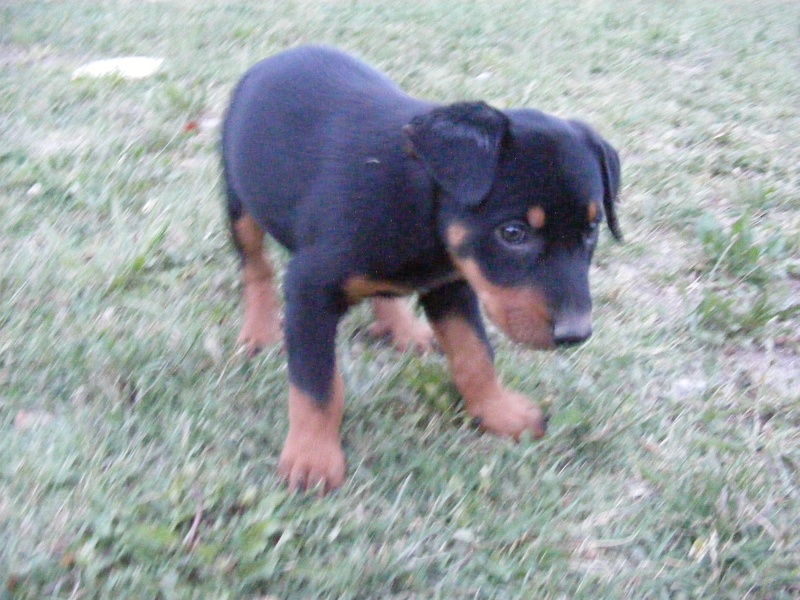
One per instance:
(536,217)
(592,212)
(456,235)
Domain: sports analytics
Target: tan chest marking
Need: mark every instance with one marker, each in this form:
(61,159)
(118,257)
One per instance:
(358,287)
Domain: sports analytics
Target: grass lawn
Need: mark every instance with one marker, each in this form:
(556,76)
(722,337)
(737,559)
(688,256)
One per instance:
(138,448)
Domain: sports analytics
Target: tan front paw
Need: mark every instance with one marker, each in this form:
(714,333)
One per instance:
(307,464)
(509,414)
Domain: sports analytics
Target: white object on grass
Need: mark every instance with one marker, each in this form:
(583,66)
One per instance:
(127,67)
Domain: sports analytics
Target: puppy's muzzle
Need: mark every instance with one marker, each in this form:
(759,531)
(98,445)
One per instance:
(572,329)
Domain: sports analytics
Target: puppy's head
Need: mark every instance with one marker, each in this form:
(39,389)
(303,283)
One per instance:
(522,197)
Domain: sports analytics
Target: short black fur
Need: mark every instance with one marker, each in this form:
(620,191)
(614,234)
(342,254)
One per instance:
(358,179)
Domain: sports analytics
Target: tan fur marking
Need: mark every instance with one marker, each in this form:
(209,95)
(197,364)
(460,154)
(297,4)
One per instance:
(262,322)
(359,287)
(472,369)
(592,212)
(536,217)
(456,235)
(498,410)
(312,455)
(521,313)
(394,317)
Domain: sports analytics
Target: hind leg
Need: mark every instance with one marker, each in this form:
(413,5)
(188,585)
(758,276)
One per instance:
(395,319)
(262,322)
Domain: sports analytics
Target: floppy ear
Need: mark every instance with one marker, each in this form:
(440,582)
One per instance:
(610,169)
(459,144)
(609,162)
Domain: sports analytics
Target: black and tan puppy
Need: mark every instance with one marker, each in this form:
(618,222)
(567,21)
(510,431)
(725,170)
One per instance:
(377,195)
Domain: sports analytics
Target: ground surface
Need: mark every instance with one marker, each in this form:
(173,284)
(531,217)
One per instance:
(138,449)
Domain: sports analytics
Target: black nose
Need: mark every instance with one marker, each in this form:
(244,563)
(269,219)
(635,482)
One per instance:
(572,329)
(570,340)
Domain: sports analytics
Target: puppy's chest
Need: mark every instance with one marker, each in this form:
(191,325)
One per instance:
(408,278)
(425,276)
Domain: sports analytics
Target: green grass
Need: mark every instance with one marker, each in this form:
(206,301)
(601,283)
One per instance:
(138,449)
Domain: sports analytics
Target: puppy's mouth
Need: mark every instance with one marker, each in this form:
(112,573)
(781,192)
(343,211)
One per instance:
(520,312)
(522,315)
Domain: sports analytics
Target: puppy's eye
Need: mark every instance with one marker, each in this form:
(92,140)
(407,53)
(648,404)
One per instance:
(590,233)
(514,233)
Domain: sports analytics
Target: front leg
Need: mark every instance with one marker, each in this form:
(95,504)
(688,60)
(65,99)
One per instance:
(455,317)
(312,454)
